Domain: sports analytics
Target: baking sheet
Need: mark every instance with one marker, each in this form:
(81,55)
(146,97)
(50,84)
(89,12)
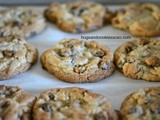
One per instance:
(115,88)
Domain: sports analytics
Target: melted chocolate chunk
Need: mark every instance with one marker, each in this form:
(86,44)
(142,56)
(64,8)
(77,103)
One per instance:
(51,96)
(8,53)
(1,34)
(99,54)
(46,107)
(4,104)
(100,116)
(16,23)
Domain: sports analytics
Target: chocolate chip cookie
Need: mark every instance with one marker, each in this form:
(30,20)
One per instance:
(140,19)
(21,21)
(74,60)
(15,104)
(139,59)
(72,104)
(16,56)
(143,104)
(77,17)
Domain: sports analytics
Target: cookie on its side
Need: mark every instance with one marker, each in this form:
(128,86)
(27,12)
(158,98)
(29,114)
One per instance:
(77,17)
(21,21)
(15,104)
(140,19)
(16,56)
(139,59)
(72,104)
(74,60)
(143,104)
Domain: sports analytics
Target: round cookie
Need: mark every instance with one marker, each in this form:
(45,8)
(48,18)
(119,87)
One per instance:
(140,19)
(72,104)
(139,59)
(15,104)
(16,56)
(74,60)
(77,17)
(143,104)
(21,21)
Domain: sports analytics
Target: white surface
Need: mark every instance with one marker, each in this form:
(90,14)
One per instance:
(116,87)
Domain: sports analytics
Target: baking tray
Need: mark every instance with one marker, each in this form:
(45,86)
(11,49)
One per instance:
(115,88)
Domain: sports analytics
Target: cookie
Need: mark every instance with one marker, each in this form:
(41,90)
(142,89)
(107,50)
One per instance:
(74,60)
(143,104)
(16,56)
(15,104)
(21,21)
(140,19)
(78,17)
(72,104)
(139,59)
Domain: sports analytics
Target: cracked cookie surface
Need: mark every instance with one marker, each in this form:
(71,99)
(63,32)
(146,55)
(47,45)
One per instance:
(74,60)
(21,21)
(15,104)
(140,19)
(143,104)
(72,104)
(77,17)
(139,59)
(16,56)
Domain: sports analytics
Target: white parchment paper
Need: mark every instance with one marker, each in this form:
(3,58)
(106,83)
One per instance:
(115,88)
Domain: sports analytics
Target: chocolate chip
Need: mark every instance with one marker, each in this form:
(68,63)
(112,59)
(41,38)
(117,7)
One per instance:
(143,41)
(100,116)
(99,54)
(65,52)
(128,49)
(17,24)
(77,11)
(51,96)
(116,21)
(46,107)
(4,104)
(8,53)
(132,110)
(73,8)
(1,34)
(149,9)
(122,10)
(81,11)
(70,45)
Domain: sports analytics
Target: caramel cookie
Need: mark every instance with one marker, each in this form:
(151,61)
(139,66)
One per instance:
(16,56)
(140,19)
(143,104)
(139,59)
(72,104)
(21,21)
(74,60)
(15,104)
(77,17)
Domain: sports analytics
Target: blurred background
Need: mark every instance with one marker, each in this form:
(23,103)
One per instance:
(42,2)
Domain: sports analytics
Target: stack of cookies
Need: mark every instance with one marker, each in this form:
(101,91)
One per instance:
(77,61)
